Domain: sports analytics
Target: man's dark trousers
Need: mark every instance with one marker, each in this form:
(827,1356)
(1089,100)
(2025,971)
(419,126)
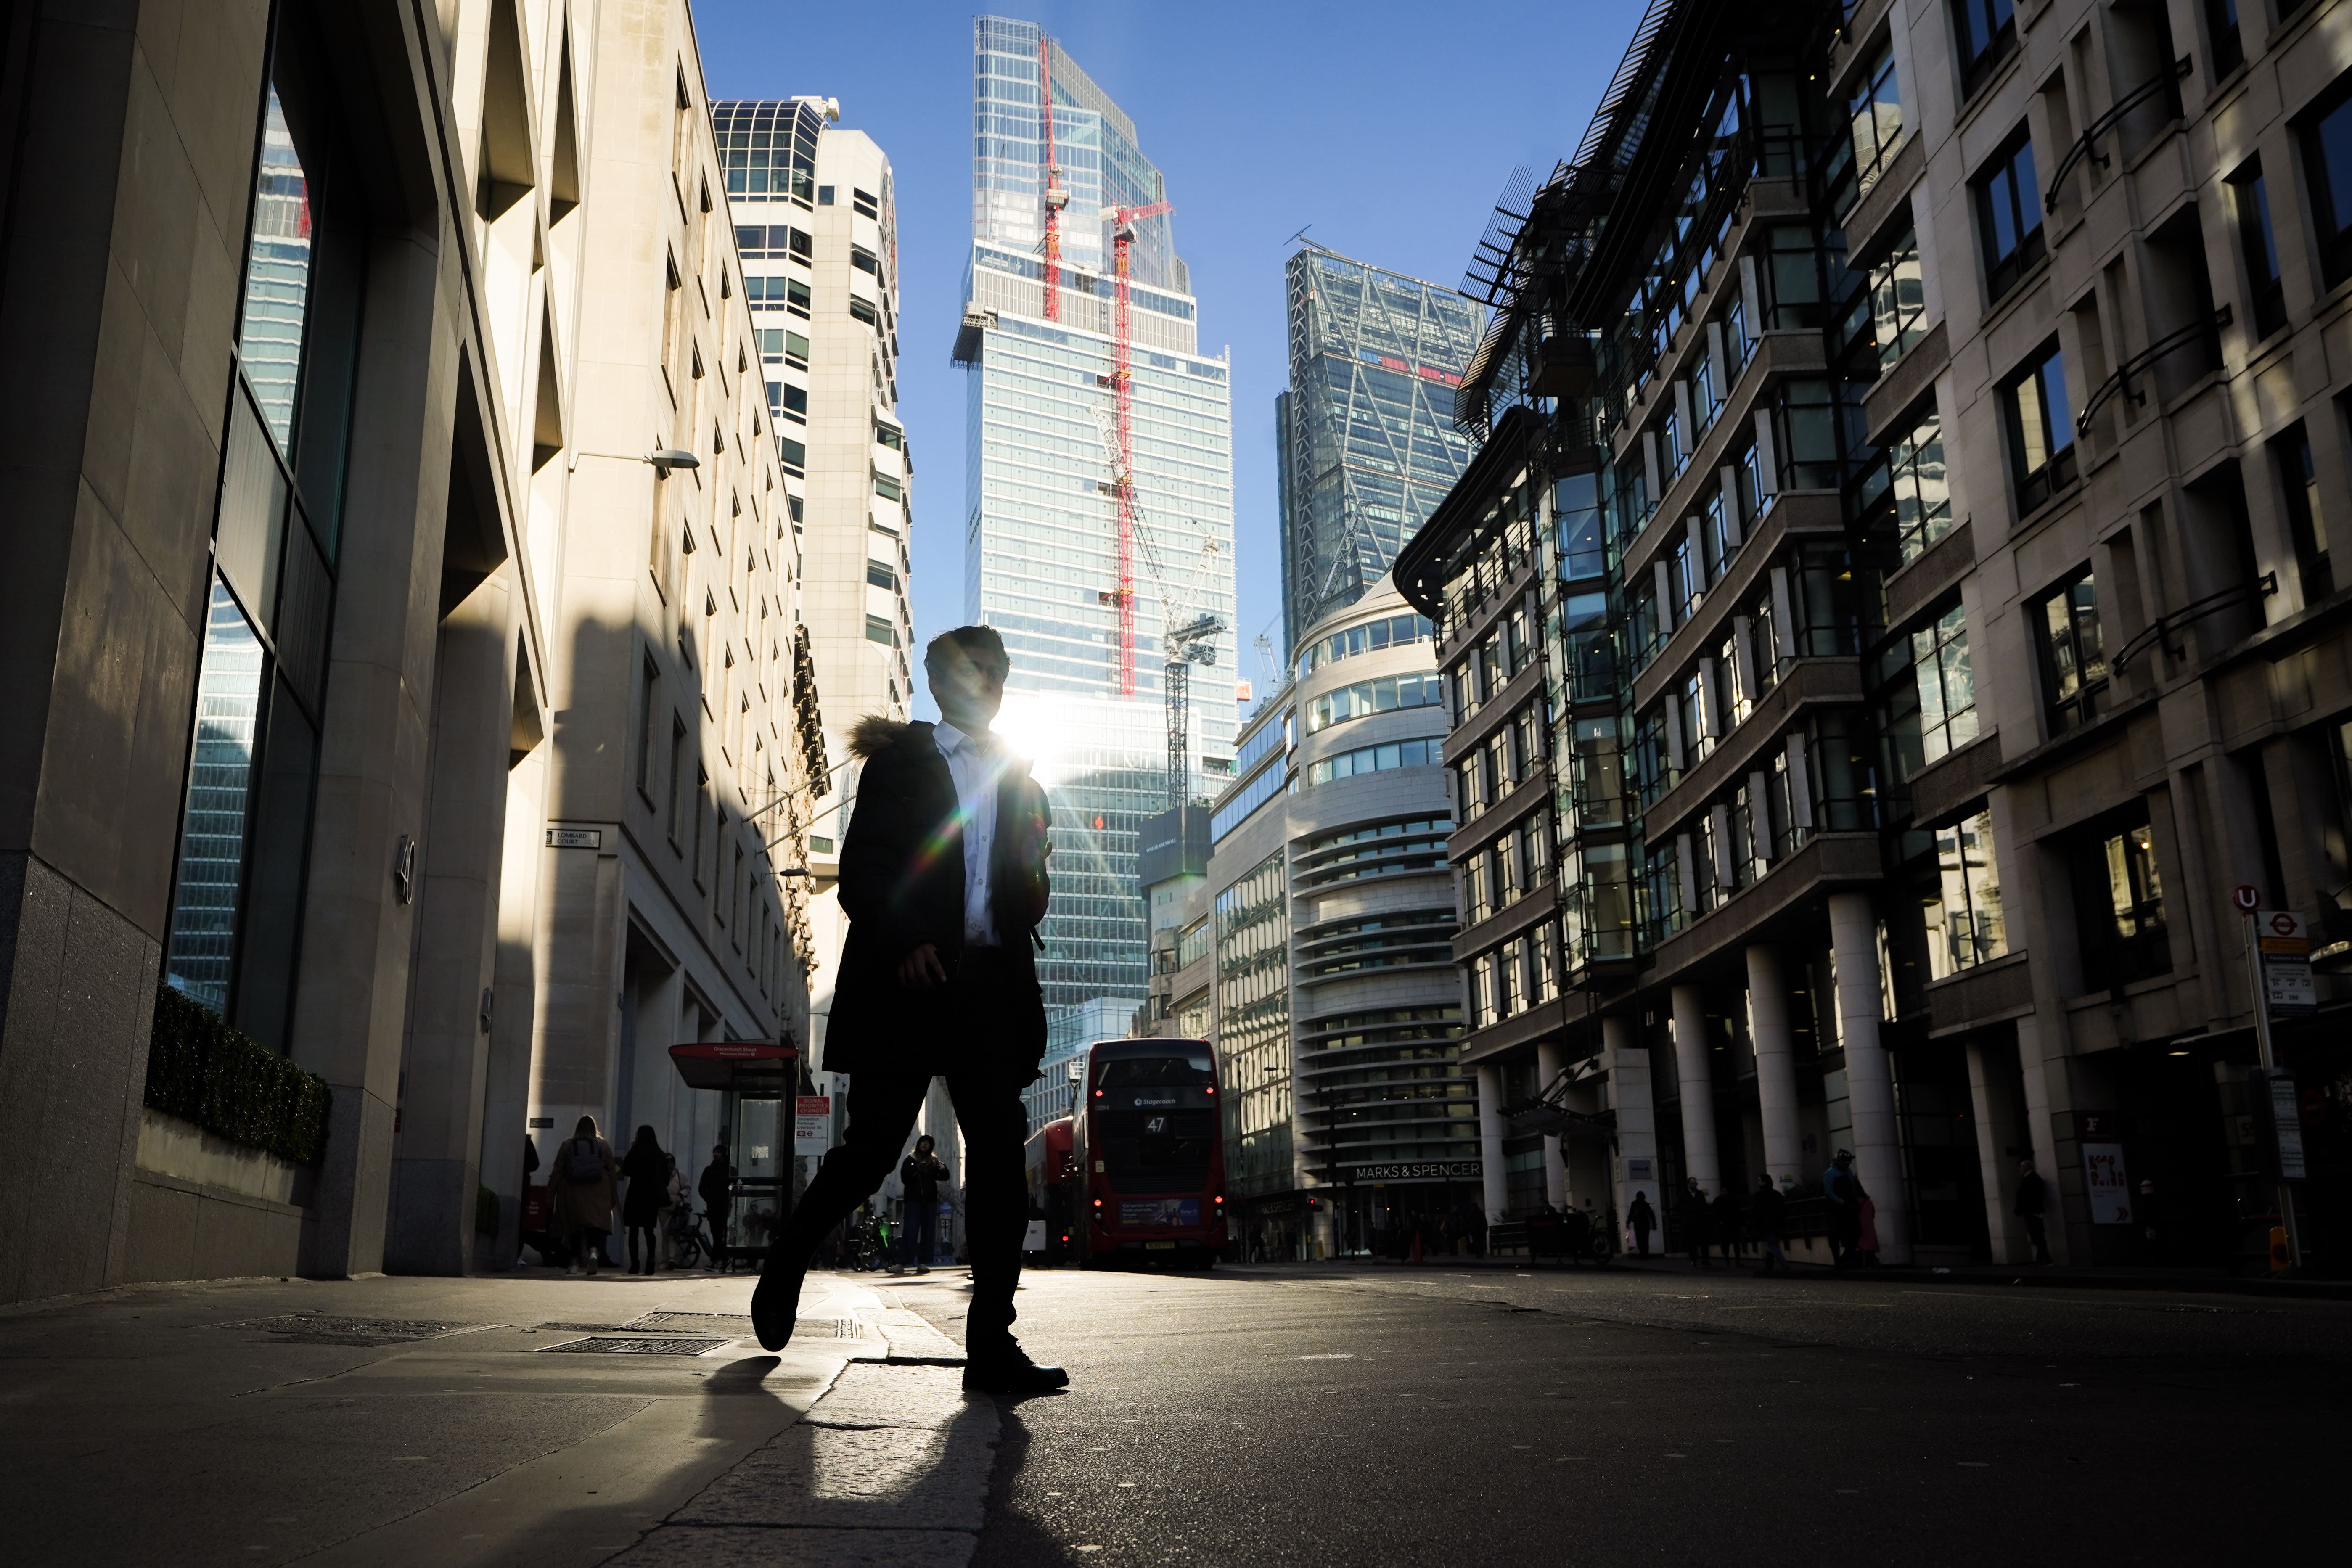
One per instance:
(984,1080)
(922,1233)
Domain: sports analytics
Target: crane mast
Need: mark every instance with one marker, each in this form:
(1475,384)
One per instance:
(1122,381)
(1057,198)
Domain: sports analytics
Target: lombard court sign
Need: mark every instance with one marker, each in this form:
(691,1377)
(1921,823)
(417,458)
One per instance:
(1418,1170)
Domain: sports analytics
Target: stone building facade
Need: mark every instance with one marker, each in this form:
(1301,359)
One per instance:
(1897,565)
(297,302)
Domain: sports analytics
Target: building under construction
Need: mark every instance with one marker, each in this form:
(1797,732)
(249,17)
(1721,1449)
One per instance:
(1099,487)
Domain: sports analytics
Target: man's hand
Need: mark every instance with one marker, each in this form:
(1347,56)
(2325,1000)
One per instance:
(921,970)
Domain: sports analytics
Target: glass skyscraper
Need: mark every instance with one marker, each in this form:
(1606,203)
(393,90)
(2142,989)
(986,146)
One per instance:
(1365,438)
(1041,532)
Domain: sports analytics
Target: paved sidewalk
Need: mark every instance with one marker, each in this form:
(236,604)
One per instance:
(524,1420)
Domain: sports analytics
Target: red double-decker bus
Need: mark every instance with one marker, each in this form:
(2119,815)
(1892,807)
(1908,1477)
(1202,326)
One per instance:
(1048,1166)
(1147,1155)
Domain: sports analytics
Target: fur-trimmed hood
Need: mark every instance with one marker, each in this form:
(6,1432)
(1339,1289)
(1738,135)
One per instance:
(873,734)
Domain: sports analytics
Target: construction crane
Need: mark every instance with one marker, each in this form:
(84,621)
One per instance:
(1057,198)
(1181,646)
(1122,383)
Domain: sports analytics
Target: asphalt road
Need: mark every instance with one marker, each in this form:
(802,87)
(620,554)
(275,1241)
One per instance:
(1341,1416)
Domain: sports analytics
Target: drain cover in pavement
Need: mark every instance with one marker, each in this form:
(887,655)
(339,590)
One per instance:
(316,1329)
(640,1344)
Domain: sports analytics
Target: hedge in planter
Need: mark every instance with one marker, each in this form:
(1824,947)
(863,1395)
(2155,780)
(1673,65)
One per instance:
(201,1070)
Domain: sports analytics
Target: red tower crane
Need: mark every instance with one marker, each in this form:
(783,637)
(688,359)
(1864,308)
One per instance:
(1122,380)
(1057,198)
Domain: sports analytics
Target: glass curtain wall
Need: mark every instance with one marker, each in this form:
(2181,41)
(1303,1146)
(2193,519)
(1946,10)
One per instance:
(260,686)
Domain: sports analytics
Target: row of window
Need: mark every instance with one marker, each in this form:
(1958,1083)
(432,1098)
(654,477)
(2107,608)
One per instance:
(1365,698)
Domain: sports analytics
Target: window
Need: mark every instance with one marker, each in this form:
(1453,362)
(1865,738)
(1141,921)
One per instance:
(701,820)
(825,196)
(879,629)
(887,487)
(648,699)
(796,301)
(1898,299)
(1876,115)
(2249,201)
(1368,697)
(864,204)
(2073,660)
(1948,687)
(793,404)
(891,437)
(863,312)
(2299,482)
(2327,160)
(677,784)
(1965,927)
(2040,430)
(1374,759)
(2008,212)
(2221,33)
(1922,497)
(881,574)
(865,260)
(796,351)
(2119,906)
(1985,31)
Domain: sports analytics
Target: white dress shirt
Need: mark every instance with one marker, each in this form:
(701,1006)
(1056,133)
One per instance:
(975,763)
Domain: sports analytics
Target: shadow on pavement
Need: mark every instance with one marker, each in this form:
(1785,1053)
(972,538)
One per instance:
(1008,1540)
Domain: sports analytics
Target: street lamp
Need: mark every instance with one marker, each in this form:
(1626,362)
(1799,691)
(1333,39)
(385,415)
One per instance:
(663,461)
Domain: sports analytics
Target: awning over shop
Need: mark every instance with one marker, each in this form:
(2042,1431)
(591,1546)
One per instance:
(761,1070)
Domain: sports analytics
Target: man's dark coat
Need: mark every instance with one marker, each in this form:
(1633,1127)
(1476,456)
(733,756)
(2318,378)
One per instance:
(902,885)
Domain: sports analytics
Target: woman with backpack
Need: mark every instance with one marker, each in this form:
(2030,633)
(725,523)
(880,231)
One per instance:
(648,1168)
(580,1189)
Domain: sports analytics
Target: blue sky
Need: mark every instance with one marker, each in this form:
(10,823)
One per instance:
(1390,128)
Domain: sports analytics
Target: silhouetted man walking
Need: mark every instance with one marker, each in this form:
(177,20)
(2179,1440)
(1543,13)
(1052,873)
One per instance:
(943,881)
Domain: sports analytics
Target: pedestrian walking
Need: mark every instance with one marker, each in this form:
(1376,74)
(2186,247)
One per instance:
(717,1190)
(675,1210)
(529,1164)
(943,880)
(1842,1189)
(581,1188)
(1644,1220)
(648,1168)
(1730,1234)
(921,1177)
(2032,1203)
(1695,1220)
(1769,1214)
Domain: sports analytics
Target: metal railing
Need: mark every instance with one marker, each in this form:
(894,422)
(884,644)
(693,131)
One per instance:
(2121,381)
(2166,628)
(2087,147)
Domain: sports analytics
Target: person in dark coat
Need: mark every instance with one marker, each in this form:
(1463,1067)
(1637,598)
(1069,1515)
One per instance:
(1769,1213)
(717,1190)
(1644,1220)
(1841,1191)
(1695,1220)
(2032,1203)
(1728,1232)
(581,1194)
(920,1179)
(943,882)
(647,1167)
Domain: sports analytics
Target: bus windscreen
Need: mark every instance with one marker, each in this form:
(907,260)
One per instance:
(1189,1070)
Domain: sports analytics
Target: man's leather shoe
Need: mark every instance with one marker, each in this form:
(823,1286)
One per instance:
(775,1302)
(1010,1371)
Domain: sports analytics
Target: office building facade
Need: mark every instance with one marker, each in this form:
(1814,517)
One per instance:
(1365,441)
(1042,558)
(1887,448)
(294,529)
(815,215)
(677,788)
(1317,952)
